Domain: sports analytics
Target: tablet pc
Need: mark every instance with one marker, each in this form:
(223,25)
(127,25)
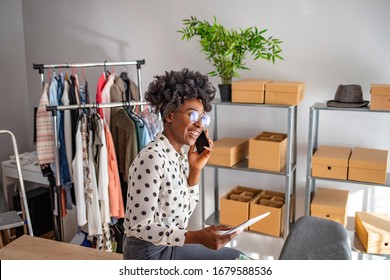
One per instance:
(247,223)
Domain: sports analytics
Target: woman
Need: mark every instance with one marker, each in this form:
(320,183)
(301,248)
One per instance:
(163,180)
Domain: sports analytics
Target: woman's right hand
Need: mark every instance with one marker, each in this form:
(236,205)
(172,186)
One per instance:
(209,237)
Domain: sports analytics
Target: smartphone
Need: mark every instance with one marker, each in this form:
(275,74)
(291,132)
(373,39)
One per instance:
(201,142)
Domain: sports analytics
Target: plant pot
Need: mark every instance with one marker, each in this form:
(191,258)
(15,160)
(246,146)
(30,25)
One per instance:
(225,90)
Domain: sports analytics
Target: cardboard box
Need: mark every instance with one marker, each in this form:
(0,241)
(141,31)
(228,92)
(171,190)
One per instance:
(268,151)
(229,151)
(249,91)
(373,230)
(286,93)
(330,204)
(331,162)
(380,97)
(368,165)
(234,206)
(268,201)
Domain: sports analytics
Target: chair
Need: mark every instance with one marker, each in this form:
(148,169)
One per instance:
(11,219)
(314,238)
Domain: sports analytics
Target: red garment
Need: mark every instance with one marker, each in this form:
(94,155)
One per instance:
(101,83)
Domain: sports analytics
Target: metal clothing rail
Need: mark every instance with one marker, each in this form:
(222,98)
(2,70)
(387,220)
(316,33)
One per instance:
(138,63)
(59,233)
(95,106)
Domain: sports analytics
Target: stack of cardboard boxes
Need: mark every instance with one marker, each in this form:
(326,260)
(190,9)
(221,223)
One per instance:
(242,203)
(357,164)
(268,92)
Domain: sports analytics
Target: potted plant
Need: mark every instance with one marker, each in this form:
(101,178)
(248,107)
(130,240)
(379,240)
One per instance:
(227,49)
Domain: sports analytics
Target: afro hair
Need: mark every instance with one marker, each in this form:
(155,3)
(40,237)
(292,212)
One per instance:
(175,87)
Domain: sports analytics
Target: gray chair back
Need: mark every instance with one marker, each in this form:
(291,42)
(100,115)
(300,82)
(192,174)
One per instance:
(314,238)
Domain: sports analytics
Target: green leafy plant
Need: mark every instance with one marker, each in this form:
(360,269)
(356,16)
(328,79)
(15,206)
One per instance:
(227,49)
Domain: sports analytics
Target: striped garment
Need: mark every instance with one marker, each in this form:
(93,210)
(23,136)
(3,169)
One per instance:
(45,131)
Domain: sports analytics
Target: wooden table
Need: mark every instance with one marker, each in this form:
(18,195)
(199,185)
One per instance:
(29,247)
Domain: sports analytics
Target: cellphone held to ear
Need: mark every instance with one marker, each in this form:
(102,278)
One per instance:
(202,142)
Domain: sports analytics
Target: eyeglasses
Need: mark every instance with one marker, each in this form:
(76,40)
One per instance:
(194,117)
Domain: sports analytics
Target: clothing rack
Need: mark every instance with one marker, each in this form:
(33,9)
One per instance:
(59,228)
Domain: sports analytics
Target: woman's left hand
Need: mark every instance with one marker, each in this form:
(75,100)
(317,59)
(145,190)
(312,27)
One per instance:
(196,160)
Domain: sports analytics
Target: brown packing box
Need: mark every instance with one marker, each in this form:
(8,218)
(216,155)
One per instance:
(229,151)
(248,91)
(286,93)
(331,162)
(368,165)
(330,204)
(234,206)
(380,97)
(268,151)
(268,201)
(373,230)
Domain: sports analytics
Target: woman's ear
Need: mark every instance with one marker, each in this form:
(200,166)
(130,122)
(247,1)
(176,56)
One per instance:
(169,118)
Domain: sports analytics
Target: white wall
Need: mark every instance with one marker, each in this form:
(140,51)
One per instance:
(325,43)
(14,105)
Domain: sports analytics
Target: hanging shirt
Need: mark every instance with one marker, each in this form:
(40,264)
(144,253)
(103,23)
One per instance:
(114,185)
(78,177)
(67,126)
(101,82)
(152,121)
(66,181)
(105,243)
(45,131)
(160,202)
(84,95)
(74,114)
(93,207)
(117,91)
(142,131)
(106,98)
(103,177)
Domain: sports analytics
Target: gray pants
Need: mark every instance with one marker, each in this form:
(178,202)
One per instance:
(136,249)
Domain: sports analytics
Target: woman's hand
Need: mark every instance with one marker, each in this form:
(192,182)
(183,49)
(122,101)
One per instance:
(209,237)
(196,160)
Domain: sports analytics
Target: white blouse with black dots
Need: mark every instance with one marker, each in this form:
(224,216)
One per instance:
(159,200)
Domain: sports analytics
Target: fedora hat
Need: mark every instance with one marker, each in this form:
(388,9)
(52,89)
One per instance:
(348,96)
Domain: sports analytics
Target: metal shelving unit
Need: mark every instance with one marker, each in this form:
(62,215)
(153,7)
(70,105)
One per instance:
(289,172)
(313,145)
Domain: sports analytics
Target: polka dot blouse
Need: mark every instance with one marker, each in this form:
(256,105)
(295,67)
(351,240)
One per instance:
(159,200)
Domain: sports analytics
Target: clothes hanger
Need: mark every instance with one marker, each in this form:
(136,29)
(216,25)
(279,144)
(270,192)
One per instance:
(83,73)
(106,72)
(126,82)
(136,118)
